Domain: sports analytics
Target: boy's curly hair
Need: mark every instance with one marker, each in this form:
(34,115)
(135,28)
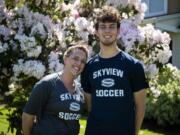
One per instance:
(108,14)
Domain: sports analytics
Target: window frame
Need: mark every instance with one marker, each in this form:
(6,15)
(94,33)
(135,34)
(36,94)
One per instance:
(164,11)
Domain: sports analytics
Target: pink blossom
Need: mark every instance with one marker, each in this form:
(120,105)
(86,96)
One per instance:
(165,38)
(157,36)
(65,7)
(141,7)
(74,13)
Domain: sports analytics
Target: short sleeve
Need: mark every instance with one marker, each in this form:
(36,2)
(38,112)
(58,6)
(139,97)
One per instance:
(85,80)
(138,79)
(38,98)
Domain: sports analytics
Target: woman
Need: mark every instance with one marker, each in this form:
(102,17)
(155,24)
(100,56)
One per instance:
(56,102)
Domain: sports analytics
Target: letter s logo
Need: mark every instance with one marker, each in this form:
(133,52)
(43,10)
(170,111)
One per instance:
(107,82)
(74,106)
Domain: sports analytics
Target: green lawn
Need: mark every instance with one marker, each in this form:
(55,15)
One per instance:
(3,122)
(142,132)
(4,125)
(147,129)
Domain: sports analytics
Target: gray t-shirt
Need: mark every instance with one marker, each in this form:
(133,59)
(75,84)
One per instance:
(56,109)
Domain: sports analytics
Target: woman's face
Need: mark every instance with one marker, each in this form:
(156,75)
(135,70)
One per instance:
(75,62)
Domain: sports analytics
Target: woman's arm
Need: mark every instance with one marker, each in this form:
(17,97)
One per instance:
(27,123)
(88,101)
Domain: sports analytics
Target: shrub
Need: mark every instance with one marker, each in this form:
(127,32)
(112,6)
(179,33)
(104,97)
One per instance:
(163,103)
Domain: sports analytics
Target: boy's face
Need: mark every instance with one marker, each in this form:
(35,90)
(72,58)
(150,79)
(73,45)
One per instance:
(107,33)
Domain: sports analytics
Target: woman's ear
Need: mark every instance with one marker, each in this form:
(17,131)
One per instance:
(65,59)
(96,33)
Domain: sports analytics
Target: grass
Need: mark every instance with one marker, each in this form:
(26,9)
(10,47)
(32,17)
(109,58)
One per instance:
(3,122)
(142,132)
(148,128)
(4,125)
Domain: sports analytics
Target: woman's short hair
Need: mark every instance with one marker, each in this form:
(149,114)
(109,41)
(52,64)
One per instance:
(81,45)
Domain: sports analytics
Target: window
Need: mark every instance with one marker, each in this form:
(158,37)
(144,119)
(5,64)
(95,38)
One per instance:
(156,7)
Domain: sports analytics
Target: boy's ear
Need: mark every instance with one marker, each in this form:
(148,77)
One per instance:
(118,30)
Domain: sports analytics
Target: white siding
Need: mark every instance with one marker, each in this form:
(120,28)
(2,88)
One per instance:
(176,50)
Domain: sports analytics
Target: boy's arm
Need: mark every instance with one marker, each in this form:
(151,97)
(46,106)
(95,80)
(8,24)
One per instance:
(140,105)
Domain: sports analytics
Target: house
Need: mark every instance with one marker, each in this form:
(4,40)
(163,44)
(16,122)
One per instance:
(165,15)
